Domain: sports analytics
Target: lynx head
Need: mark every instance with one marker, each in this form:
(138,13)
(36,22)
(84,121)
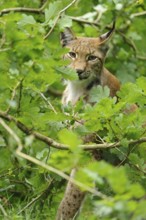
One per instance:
(87,55)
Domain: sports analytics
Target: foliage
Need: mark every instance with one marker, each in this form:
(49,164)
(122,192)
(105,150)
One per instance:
(31,73)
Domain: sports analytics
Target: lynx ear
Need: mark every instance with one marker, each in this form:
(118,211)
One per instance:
(105,37)
(66,36)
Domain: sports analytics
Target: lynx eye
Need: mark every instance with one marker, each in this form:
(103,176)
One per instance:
(92,58)
(72,54)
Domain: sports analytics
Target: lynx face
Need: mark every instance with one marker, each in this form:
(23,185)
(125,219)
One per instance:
(85,58)
(86,55)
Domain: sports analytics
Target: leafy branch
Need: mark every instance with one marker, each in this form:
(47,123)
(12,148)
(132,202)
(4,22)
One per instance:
(57,145)
(46,166)
(58,17)
(29,131)
(24,9)
(131,43)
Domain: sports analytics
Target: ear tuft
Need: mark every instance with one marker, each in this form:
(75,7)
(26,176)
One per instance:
(111,30)
(66,36)
(105,37)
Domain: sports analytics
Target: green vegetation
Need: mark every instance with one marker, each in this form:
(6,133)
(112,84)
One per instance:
(39,143)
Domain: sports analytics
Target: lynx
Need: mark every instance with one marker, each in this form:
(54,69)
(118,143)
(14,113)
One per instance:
(87,56)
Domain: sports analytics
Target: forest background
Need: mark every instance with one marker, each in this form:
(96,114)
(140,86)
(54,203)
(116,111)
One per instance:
(39,142)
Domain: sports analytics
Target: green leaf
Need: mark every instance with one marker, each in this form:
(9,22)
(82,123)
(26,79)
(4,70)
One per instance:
(26,19)
(67,73)
(140,211)
(2,142)
(136,191)
(140,2)
(65,21)
(123,54)
(54,8)
(5,158)
(98,93)
(141,82)
(124,142)
(69,138)
(84,177)
(135,159)
(120,184)
(134,36)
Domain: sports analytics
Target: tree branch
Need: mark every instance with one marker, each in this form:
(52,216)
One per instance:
(46,166)
(57,145)
(23,9)
(37,135)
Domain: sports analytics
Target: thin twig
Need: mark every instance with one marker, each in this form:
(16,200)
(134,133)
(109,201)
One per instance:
(100,138)
(3,211)
(48,102)
(11,132)
(12,171)
(37,135)
(35,199)
(5,49)
(138,14)
(46,166)
(140,57)
(131,43)
(57,145)
(125,155)
(126,158)
(20,96)
(80,20)
(13,96)
(58,17)
(60,173)
(128,41)
(3,37)
(23,9)
(138,168)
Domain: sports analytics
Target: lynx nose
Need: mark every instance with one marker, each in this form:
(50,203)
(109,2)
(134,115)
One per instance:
(79,71)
